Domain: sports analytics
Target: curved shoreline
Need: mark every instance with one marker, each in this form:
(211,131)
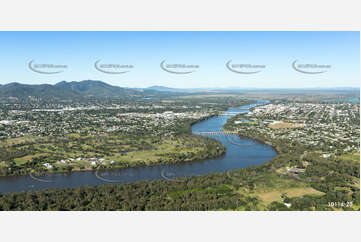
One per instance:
(131,165)
(141,164)
(137,165)
(228,160)
(261,141)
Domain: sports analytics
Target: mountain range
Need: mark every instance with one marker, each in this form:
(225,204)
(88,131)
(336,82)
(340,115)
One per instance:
(64,90)
(99,89)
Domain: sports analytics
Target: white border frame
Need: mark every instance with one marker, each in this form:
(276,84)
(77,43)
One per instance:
(179,15)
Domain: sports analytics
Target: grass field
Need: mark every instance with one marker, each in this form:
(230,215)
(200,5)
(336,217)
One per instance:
(270,187)
(123,151)
(27,158)
(355,157)
(276,195)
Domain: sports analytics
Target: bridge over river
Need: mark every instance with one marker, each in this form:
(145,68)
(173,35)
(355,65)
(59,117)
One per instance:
(216,133)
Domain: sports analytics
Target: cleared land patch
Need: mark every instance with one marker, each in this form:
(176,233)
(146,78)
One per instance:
(269,197)
(284,125)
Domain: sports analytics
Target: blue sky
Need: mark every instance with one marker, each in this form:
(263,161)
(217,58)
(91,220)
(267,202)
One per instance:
(209,50)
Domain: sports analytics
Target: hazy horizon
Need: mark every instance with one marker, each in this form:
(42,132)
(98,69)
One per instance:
(215,87)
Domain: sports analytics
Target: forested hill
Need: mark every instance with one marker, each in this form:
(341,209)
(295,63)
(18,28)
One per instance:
(66,90)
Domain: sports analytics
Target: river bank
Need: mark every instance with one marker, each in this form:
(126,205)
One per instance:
(253,154)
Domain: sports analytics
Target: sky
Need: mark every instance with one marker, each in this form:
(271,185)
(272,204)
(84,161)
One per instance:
(276,51)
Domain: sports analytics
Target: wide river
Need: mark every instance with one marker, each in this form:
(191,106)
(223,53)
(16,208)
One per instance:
(241,152)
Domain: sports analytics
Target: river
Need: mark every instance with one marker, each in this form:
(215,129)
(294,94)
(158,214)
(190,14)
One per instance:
(241,152)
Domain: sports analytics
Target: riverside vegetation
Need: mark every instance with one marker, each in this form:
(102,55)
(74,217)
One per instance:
(324,175)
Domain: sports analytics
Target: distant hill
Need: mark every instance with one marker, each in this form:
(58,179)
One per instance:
(19,90)
(96,88)
(91,88)
(163,89)
(66,90)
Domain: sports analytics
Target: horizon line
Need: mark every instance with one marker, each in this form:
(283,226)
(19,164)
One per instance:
(228,87)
